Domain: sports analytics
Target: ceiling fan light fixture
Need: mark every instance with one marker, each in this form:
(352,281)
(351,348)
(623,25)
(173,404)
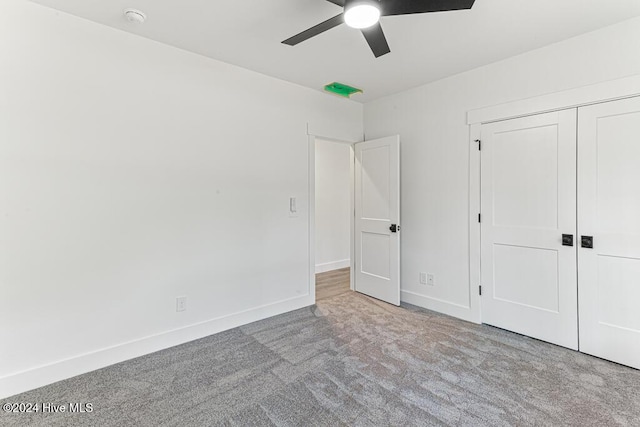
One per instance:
(361,13)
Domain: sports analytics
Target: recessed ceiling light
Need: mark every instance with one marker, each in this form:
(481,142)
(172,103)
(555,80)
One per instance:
(135,16)
(361,13)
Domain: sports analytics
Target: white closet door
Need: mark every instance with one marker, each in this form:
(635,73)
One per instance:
(377,205)
(528,196)
(609,212)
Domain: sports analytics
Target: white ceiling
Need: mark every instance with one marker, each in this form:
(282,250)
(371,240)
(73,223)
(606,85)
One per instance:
(424,48)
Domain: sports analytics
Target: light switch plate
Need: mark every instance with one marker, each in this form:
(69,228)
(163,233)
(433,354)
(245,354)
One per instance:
(293,207)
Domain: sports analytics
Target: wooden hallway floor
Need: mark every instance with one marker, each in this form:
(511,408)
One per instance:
(332,283)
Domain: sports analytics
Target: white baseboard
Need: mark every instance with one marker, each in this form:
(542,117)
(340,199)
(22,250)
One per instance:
(60,370)
(445,307)
(334,265)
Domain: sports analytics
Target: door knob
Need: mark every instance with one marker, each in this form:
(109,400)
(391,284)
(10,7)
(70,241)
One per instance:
(394,228)
(567,240)
(587,242)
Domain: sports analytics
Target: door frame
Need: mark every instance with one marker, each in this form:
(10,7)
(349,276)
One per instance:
(607,91)
(312,210)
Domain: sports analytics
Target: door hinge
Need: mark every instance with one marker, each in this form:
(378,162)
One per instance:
(480,290)
(479,217)
(479,144)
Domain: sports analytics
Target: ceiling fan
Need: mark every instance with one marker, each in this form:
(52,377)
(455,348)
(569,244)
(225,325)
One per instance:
(365,16)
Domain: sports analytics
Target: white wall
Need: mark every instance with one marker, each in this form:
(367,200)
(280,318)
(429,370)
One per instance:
(132,173)
(431,121)
(333,205)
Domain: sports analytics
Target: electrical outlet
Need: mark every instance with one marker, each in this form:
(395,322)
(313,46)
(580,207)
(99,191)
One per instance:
(181,304)
(431,281)
(423,278)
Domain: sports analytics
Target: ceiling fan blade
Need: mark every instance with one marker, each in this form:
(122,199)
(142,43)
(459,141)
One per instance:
(406,7)
(314,31)
(337,2)
(376,39)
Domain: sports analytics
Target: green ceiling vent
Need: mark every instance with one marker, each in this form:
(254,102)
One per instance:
(341,89)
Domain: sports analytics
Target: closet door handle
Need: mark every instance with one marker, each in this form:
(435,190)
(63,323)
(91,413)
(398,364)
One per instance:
(587,242)
(567,240)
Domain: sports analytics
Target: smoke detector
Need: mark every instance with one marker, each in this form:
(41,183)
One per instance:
(135,16)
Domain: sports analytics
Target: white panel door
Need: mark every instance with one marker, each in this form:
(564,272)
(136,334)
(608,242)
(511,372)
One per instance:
(609,212)
(528,201)
(377,205)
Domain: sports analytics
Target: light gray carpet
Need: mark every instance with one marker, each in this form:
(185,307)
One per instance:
(351,360)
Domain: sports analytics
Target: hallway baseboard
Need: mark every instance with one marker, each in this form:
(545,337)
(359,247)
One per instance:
(334,265)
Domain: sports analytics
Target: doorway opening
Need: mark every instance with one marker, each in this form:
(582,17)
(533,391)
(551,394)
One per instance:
(333,217)
(374,216)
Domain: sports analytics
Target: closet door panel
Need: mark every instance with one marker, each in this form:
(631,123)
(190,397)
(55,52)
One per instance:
(609,213)
(528,200)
